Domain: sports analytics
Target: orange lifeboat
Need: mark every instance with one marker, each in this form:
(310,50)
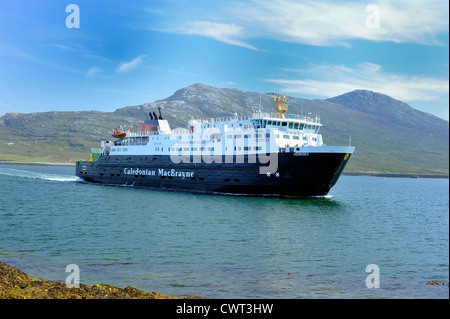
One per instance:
(118,134)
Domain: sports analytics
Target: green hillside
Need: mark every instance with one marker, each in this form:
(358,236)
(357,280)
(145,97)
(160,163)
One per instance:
(389,135)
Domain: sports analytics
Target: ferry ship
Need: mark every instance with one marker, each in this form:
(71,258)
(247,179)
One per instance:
(266,154)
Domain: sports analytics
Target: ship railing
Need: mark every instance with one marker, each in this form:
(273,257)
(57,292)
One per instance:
(301,117)
(107,143)
(220,119)
(256,115)
(132,134)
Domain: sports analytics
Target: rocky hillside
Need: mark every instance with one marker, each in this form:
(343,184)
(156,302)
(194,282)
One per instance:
(389,135)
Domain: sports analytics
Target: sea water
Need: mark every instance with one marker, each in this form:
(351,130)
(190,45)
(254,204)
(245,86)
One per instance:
(186,244)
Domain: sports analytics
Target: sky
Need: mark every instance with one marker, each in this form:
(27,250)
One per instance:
(102,55)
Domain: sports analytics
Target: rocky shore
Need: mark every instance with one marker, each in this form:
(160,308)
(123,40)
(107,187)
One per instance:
(15,284)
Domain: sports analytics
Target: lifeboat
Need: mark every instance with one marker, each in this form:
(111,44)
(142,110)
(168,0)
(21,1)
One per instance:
(118,134)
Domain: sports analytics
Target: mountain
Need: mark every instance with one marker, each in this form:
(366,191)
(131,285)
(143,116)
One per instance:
(390,131)
(389,135)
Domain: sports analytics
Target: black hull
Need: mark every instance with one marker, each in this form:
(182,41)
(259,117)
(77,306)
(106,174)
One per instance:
(296,176)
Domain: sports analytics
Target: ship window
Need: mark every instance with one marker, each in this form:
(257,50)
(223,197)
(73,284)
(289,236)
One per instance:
(278,123)
(264,124)
(267,134)
(247,136)
(296,137)
(301,126)
(257,148)
(238,135)
(291,125)
(277,135)
(286,136)
(195,149)
(247,148)
(304,138)
(295,126)
(269,122)
(283,123)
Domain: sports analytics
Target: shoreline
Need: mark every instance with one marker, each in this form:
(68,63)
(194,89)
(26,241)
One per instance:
(15,284)
(36,163)
(400,175)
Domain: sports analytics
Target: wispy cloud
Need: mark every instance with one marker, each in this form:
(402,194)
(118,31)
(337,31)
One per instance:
(14,52)
(94,70)
(334,23)
(321,23)
(224,32)
(5,105)
(127,66)
(81,50)
(325,80)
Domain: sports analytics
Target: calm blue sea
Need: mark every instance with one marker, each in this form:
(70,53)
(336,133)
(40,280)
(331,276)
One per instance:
(185,244)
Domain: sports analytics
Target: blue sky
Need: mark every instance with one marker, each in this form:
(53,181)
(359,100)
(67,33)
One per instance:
(134,52)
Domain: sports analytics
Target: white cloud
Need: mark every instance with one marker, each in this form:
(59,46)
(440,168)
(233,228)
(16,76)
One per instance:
(94,70)
(322,23)
(333,23)
(127,66)
(223,32)
(325,80)
(5,105)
